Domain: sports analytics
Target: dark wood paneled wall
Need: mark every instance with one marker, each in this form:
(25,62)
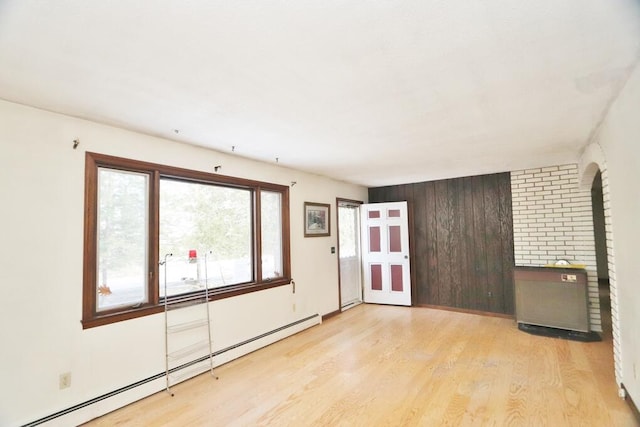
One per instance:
(461,234)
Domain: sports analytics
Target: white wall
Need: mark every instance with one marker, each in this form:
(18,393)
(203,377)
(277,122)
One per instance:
(552,220)
(41,250)
(619,138)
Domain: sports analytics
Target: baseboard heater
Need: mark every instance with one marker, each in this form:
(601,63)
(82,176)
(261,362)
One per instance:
(162,374)
(554,302)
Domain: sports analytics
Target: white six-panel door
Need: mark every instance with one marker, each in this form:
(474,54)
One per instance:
(385,253)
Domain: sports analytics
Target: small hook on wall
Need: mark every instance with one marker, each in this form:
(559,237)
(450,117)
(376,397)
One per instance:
(293,183)
(76,142)
(217,168)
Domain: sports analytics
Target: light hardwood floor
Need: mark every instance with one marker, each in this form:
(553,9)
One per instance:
(397,366)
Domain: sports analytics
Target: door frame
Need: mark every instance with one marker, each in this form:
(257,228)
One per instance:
(355,202)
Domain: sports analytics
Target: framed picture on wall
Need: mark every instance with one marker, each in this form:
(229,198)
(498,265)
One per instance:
(317,219)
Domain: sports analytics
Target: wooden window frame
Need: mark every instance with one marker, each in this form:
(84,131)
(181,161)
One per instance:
(91,317)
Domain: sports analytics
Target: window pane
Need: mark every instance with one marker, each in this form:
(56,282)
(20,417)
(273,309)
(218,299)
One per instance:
(213,221)
(271,219)
(348,218)
(123,211)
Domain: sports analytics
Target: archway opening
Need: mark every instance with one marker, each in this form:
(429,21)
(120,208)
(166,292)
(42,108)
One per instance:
(602,263)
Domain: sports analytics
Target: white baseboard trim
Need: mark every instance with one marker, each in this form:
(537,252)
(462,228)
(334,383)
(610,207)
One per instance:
(116,399)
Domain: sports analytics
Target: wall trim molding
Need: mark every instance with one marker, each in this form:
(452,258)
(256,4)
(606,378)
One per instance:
(631,403)
(467,311)
(330,315)
(159,378)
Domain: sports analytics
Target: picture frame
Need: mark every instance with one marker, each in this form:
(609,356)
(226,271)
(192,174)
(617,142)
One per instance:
(317,219)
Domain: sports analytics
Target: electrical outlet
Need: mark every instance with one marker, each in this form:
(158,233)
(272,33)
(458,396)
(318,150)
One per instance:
(65,380)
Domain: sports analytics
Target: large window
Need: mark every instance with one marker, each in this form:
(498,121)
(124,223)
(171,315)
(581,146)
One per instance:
(155,232)
(207,230)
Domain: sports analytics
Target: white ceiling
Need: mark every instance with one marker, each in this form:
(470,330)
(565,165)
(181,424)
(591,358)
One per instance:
(369,92)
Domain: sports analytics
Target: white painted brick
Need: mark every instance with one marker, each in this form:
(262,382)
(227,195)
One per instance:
(534,198)
(586,200)
(534,215)
(560,210)
(570,204)
(564,192)
(534,179)
(552,187)
(562,182)
(581,233)
(544,211)
(556,252)
(555,234)
(552,206)
(573,167)
(581,209)
(550,169)
(537,234)
(553,215)
(539,252)
(578,222)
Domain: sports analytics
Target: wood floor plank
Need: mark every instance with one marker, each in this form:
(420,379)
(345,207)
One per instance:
(388,366)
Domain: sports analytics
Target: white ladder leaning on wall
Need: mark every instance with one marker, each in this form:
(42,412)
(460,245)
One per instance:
(188,342)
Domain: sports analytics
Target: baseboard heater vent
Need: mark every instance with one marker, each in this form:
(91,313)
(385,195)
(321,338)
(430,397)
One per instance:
(162,374)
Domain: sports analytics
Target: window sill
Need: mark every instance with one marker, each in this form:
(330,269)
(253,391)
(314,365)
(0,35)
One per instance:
(181,301)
